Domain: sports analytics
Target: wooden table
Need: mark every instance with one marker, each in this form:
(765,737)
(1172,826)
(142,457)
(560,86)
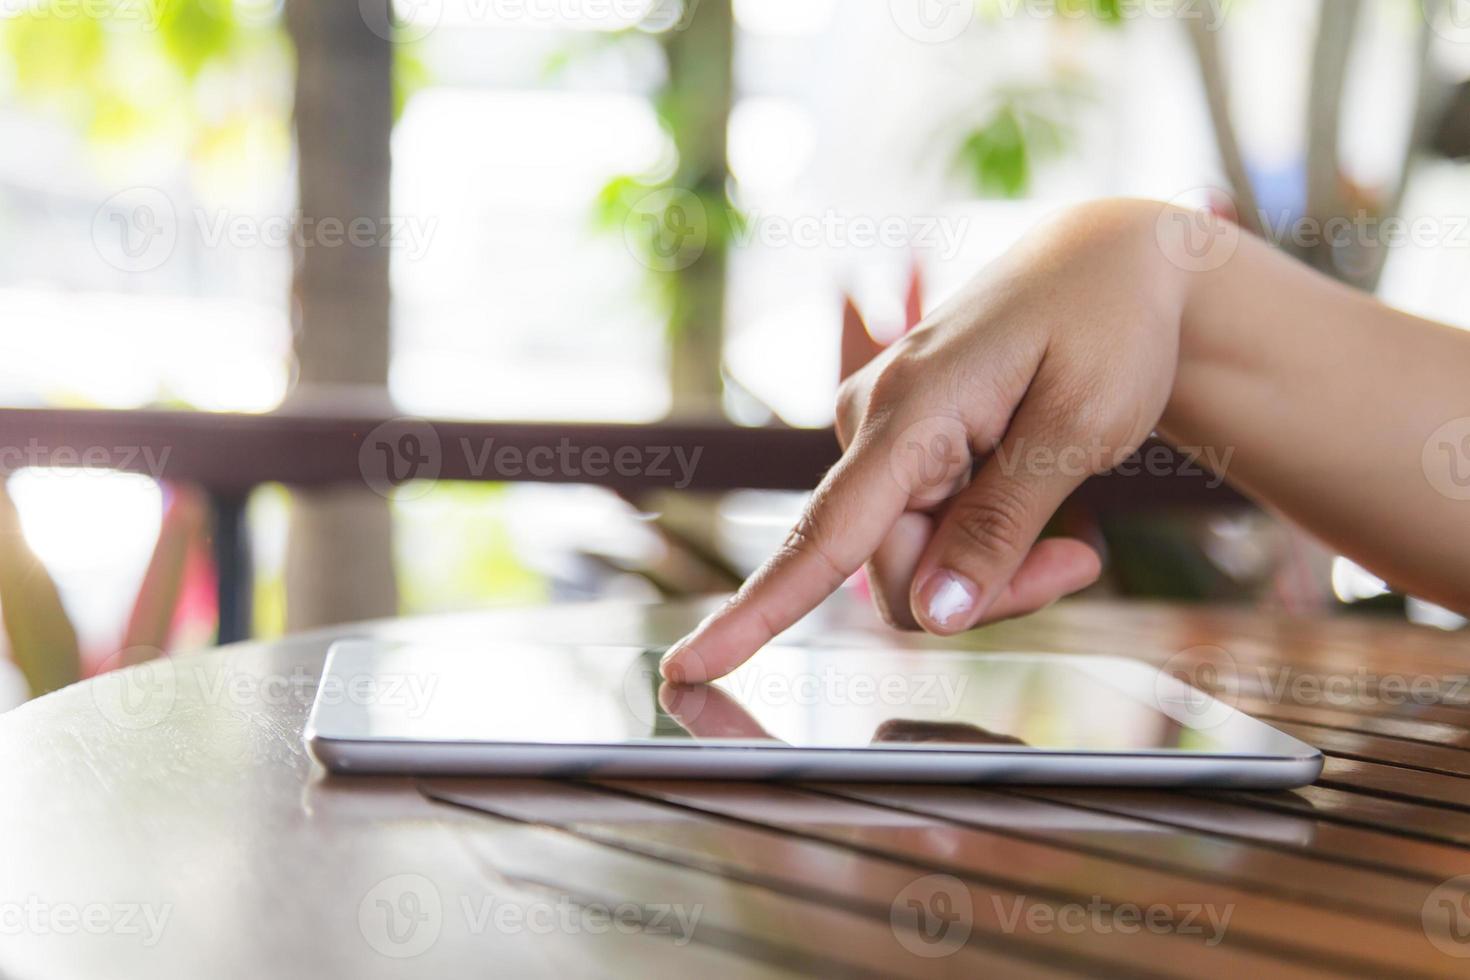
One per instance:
(167,822)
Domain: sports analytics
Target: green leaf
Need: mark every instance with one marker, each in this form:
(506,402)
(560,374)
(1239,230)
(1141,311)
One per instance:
(997,158)
(43,641)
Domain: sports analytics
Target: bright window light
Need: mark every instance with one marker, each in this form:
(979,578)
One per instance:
(783,16)
(78,519)
(1353,583)
(771,143)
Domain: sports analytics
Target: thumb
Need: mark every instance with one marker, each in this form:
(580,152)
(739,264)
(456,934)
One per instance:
(989,527)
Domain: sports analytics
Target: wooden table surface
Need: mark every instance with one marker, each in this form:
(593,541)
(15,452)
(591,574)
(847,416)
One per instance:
(167,822)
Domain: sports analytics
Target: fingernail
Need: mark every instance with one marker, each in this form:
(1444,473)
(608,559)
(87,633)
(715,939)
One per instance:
(948,599)
(669,667)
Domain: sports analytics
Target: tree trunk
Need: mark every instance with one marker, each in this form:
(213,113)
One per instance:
(339,564)
(697,102)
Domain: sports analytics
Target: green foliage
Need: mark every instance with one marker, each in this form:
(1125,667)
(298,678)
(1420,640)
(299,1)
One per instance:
(1024,128)
(125,70)
(464,555)
(128,70)
(1109,12)
(410,74)
(195,32)
(654,216)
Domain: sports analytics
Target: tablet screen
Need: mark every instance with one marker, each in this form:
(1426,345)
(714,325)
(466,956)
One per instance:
(813,698)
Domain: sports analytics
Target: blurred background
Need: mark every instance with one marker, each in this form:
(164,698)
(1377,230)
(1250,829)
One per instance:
(622,212)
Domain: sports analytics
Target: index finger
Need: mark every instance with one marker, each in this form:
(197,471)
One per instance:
(842,525)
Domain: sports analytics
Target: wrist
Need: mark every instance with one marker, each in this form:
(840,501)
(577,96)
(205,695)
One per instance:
(1193,249)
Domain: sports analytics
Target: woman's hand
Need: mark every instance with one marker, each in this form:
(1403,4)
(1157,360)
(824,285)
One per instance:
(964,438)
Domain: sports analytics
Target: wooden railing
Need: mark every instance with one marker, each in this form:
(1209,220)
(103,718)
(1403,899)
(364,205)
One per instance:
(228,455)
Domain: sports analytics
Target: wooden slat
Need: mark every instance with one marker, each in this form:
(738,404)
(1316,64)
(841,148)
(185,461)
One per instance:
(746,883)
(786,856)
(231,452)
(1362,810)
(1377,748)
(1287,930)
(1397,724)
(1409,785)
(1349,839)
(1313,878)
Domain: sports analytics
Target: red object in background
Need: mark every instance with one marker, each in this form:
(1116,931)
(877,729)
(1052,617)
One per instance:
(176,597)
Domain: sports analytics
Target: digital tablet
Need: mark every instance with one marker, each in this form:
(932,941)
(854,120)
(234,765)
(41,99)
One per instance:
(809,713)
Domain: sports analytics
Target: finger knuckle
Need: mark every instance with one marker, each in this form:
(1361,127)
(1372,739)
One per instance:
(809,537)
(1074,411)
(851,405)
(996,524)
(896,382)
